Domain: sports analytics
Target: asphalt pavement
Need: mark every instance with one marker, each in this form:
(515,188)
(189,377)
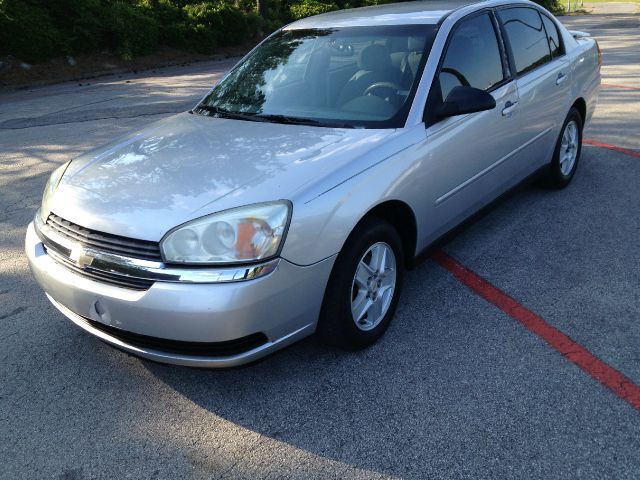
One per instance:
(456,389)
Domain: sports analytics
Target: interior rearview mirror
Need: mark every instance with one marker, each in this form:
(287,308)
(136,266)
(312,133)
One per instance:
(341,49)
(463,100)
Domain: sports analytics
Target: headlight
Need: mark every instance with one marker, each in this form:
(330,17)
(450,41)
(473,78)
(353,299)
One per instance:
(239,235)
(50,187)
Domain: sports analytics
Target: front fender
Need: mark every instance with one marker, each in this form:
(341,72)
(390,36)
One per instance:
(320,226)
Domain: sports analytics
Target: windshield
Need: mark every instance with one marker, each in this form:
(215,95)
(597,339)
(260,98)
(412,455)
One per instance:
(344,77)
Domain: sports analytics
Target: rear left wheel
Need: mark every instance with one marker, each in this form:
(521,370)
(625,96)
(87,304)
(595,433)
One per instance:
(567,152)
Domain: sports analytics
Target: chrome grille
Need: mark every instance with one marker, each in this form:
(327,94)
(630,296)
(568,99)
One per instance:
(105,242)
(59,236)
(97,274)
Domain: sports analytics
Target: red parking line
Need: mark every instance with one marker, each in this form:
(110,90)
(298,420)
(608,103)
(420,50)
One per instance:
(622,386)
(623,87)
(615,148)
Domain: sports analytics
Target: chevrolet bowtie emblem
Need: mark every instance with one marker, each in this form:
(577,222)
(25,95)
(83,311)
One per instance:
(80,257)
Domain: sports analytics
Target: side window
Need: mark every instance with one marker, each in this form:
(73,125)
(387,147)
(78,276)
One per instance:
(526,36)
(472,57)
(552,36)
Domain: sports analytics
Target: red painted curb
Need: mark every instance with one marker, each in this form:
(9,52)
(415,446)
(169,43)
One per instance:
(622,386)
(622,87)
(615,148)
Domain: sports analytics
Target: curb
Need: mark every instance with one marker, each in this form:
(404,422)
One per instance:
(111,72)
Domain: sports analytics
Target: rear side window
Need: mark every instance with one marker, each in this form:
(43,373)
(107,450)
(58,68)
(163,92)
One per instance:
(472,57)
(552,36)
(527,37)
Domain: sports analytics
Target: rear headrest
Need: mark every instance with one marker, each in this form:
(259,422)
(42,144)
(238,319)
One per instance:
(375,58)
(416,44)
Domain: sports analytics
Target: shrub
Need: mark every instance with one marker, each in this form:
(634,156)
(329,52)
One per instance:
(306,8)
(204,22)
(255,25)
(551,5)
(129,31)
(5,24)
(81,22)
(171,19)
(366,3)
(36,30)
(28,32)
(234,26)
(211,25)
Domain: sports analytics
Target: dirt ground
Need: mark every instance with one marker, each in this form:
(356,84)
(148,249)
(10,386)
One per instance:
(17,74)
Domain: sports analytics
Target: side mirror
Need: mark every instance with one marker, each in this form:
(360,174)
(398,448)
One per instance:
(463,100)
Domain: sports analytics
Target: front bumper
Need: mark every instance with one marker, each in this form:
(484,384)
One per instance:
(283,305)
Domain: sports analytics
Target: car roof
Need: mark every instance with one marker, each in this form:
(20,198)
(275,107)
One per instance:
(421,12)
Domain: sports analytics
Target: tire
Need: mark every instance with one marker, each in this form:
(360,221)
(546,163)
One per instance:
(362,251)
(566,155)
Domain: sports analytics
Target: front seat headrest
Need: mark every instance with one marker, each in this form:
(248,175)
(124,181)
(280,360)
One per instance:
(416,44)
(375,58)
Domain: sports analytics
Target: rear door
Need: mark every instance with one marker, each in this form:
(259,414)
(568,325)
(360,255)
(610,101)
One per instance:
(469,158)
(542,73)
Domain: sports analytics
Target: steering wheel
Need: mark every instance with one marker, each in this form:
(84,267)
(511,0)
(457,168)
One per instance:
(459,76)
(382,89)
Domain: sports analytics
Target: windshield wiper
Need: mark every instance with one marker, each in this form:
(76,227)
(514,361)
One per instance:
(275,118)
(254,117)
(271,118)
(221,112)
(305,121)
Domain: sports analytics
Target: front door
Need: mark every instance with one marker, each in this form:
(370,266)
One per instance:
(470,159)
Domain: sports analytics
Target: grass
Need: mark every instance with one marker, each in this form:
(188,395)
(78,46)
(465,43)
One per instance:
(612,1)
(581,7)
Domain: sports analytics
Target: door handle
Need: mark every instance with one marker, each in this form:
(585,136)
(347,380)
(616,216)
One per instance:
(561,78)
(509,107)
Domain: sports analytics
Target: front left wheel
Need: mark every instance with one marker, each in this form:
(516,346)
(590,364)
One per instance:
(364,287)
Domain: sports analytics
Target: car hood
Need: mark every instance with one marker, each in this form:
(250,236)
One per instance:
(188,165)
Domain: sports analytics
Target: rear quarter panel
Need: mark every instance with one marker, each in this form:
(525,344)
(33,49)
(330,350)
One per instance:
(585,74)
(585,71)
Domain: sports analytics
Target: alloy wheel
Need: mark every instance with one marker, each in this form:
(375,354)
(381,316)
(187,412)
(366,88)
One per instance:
(373,286)
(569,148)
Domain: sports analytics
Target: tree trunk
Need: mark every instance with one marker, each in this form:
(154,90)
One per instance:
(262,8)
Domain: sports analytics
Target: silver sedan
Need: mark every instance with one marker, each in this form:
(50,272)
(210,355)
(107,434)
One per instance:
(295,194)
